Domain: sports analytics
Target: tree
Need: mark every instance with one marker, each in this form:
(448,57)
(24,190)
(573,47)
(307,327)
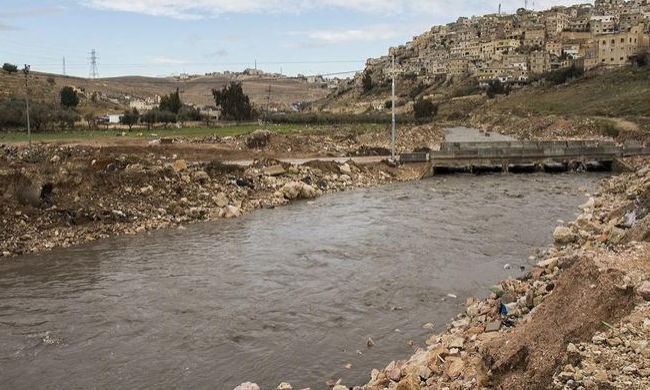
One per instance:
(171,103)
(495,88)
(40,115)
(130,118)
(69,97)
(66,118)
(150,118)
(165,117)
(188,113)
(91,119)
(235,105)
(424,109)
(10,68)
(366,81)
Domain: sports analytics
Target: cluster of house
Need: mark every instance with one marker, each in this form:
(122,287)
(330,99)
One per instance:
(513,48)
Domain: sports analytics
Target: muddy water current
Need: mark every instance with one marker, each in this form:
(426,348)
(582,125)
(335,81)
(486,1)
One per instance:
(290,294)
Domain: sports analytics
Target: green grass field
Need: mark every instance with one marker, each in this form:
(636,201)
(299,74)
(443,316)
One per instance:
(187,132)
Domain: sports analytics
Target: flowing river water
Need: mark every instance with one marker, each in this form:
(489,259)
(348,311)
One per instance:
(290,294)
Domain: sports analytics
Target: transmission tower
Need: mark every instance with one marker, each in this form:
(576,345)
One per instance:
(64,66)
(94,72)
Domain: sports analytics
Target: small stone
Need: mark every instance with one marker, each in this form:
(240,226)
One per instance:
(284,386)
(455,368)
(458,342)
(345,169)
(247,386)
(201,177)
(395,374)
(428,326)
(275,170)
(507,267)
(571,348)
(179,166)
(370,343)
(493,326)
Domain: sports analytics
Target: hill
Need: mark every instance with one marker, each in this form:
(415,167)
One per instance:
(114,92)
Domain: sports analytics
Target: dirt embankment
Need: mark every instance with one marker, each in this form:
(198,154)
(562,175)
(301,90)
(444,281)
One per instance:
(579,320)
(58,196)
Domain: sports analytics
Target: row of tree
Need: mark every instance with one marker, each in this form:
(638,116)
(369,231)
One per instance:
(42,116)
(231,99)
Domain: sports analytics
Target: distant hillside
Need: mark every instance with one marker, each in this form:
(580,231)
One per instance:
(45,87)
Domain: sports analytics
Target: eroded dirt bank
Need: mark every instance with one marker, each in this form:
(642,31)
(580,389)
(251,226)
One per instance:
(58,196)
(579,320)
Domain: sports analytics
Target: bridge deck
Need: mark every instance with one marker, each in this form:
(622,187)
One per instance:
(525,152)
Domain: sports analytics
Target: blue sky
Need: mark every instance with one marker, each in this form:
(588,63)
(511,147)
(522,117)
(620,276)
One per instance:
(164,37)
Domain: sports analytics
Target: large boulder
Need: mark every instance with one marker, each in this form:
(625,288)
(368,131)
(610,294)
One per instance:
(563,235)
(221,200)
(298,190)
(231,212)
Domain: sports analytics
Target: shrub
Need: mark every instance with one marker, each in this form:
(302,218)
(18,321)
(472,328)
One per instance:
(66,118)
(9,68)
(424,109)
(607,128)
(417,90)
(69,97)
(495,88)
(561,76)
(366,81)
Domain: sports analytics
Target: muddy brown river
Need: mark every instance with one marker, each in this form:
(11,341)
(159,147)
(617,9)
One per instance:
(290,294)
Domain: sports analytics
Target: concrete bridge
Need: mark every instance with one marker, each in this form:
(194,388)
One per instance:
(525,155)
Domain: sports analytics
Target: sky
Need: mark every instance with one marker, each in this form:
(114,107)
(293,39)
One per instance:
(168,37)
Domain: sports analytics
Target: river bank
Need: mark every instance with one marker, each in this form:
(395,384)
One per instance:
(59,196)
(579,320)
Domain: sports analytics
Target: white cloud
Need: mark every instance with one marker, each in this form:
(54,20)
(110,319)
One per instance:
(199,9)
(367,34)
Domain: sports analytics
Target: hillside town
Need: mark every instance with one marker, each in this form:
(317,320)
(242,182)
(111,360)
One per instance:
(514,48)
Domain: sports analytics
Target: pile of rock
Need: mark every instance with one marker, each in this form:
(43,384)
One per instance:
(617,358)
(58,197)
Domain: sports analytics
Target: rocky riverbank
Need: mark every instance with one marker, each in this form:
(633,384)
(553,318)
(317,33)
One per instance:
(59,196)
(579,320)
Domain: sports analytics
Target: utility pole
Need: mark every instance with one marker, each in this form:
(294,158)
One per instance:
(268,105)
(64,66)
(94,72)
(393,112)
(29,128)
